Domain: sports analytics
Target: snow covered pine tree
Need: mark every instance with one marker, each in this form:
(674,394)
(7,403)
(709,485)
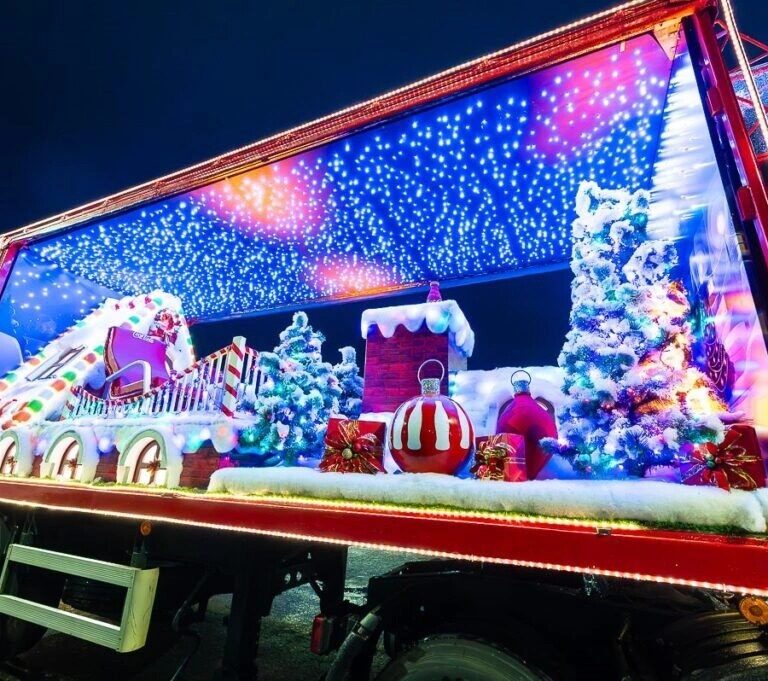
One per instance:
(633,394)
(350,382)
(297,397)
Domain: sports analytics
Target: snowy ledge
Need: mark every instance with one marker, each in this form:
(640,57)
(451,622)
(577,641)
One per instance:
(440,317)
(639,500)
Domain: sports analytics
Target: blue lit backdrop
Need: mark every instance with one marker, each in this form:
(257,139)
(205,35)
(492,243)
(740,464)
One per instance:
(479,185)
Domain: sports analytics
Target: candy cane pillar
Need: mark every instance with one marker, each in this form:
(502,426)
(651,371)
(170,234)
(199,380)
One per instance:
(233,370)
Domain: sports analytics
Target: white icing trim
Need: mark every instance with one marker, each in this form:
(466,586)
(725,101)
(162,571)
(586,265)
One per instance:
(442,428)
(414,426)
(440,317)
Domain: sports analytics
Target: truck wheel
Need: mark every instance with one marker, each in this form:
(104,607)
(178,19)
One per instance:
(716,646)
(454,658)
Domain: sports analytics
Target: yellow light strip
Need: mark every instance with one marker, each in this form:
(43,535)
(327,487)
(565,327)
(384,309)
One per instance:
(746,70)
(9,237)
(441,512)
(761,591)
(341,505)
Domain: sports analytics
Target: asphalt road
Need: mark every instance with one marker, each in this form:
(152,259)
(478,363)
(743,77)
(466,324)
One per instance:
(283,655)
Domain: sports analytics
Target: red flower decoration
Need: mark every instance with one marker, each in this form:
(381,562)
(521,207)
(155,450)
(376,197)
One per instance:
(718,464)
(347,451)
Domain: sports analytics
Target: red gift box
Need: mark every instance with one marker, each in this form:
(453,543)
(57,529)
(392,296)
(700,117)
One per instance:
(500,457)
(353,446)
(735,462)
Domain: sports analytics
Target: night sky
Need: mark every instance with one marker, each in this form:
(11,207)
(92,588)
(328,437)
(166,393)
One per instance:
(101,96)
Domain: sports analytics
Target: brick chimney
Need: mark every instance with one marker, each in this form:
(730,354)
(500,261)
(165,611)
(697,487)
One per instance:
(400,338)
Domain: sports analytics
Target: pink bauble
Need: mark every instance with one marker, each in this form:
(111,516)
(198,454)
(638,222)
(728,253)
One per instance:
(524,416)
(431,433)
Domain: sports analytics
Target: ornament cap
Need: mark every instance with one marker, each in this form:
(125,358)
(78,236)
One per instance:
(434,295)
(430,386)
(522,384)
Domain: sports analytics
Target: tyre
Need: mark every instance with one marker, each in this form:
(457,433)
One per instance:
(717,647)
(454,658)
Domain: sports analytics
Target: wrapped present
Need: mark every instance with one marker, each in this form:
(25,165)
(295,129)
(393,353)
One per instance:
(735,462)
(353,446)
(500,457)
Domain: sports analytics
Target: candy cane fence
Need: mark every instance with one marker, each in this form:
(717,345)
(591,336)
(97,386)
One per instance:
(215,383)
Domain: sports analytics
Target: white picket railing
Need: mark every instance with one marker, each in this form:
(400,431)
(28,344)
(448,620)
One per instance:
(199,388)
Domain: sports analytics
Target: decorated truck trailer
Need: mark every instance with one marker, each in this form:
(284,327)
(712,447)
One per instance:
(552,264)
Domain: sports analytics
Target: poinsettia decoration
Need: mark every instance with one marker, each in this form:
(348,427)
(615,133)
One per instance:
(725,465)
(347,450)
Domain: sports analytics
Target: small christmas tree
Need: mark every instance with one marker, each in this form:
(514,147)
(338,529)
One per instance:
(298,394)
(634,396)
(351,383)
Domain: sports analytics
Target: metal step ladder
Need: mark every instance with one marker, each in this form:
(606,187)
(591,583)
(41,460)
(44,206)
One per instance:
(140,585)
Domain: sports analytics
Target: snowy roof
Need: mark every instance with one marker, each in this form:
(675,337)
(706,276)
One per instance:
(442,316)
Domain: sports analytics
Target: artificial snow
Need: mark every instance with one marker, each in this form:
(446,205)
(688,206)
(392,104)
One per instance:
(639,500)
(439,317)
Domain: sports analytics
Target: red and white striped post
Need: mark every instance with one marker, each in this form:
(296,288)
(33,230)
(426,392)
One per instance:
(233,371)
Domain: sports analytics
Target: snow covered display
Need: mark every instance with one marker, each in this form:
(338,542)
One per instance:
(350,382)
(634,395)
(626,398)
(298,394)
(661,378)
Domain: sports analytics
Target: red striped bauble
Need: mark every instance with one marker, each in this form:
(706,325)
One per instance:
(431,433)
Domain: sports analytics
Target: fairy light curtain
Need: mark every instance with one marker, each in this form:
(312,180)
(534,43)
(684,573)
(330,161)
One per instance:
(479,185)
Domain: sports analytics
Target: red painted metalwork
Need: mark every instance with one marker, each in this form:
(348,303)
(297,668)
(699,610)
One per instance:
(571,41)
(719,77)
(7,259)
(760,59)
(707,560)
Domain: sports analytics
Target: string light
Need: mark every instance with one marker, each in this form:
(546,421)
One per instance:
(479,185)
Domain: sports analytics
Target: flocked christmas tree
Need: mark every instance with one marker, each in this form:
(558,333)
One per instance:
(296,399)
(633,395)
(350,382)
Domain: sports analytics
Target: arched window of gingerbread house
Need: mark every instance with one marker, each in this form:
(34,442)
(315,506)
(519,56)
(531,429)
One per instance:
(149,469)
(67,455)
(8,452)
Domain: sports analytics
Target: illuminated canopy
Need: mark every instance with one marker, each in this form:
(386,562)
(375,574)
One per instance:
(475,186)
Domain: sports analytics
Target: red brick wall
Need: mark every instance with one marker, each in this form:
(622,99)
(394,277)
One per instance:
(106,469)
(36,461)
(391,365)
(198,466)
